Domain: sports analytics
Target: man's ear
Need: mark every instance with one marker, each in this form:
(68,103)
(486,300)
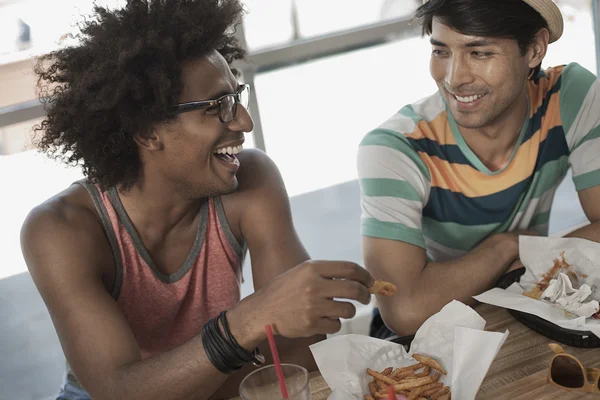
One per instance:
(150,141)
(539,47)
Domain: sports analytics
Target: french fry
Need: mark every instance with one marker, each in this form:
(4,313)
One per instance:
(385,379)
(413,383)
(383,287)
(406,370)
(443,391)
(425,372)
(420,391)
(387,371)
(407,378)
(433,390)
(372,388)
(429,362)
(380,385)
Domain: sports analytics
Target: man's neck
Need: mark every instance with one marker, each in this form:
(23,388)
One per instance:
(494,144)
(157,206)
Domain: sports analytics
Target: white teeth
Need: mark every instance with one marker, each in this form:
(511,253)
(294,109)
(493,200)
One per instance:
(230,150)
(468,99)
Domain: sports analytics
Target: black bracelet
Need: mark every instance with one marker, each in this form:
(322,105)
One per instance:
(223,351)
(212,352)
(256,358)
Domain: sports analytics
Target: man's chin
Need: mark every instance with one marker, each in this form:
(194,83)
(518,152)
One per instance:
(230,187)
(468,120)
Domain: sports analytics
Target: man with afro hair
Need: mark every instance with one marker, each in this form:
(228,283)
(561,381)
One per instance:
(139,264)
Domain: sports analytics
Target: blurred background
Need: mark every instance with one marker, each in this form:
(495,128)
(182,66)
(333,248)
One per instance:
(323,74)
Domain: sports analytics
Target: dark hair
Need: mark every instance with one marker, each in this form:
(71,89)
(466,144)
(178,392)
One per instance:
(122,78)
(512,19)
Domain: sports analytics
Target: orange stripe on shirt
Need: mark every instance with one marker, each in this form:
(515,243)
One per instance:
(465,179)
(537,92)
(437,130)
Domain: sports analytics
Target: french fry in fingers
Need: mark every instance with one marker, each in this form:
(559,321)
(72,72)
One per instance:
(429,362)
(383,287)
(385,379)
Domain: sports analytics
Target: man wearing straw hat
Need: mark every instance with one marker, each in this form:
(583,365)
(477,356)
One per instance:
(449,182)
(140,264)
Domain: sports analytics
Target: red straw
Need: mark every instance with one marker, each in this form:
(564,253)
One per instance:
(391,393)
(276,361)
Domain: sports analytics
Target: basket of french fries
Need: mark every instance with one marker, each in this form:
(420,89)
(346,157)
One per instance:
(417,381)
(449,357)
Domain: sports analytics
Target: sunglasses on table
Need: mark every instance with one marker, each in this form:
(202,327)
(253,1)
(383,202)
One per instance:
(226,105)
(567,372)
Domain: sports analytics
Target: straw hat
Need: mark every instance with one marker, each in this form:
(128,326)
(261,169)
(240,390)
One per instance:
(550,12)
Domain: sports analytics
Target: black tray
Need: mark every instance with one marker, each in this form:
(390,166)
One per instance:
(584,339)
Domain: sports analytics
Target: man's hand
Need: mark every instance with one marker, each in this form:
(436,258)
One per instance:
(300,302)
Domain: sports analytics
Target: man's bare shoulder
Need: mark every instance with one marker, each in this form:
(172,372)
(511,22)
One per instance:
(257,171)
(65,224)
(260,188)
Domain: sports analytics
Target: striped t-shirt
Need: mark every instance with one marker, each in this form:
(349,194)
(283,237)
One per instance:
(422,184)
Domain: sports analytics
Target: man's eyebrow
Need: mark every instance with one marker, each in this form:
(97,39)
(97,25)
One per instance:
(473,43)
(480,43)
(217,95)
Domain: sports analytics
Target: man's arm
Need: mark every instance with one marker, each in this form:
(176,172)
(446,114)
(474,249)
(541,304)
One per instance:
(395,185)
(590,201)
(65,250)
(274,245)
(425,287)
(580,115)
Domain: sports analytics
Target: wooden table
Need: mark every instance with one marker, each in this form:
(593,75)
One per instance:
(518,372)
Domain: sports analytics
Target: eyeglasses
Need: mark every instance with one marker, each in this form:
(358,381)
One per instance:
(567,372)
(227,104)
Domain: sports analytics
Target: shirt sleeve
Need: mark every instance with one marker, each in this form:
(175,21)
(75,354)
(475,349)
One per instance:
(580,115)
(394,184)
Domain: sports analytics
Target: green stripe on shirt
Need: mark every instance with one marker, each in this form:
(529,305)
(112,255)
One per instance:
(576,82)
(391,139)
(594,134)
(409,111)
(540,219)
(457,236)
(389,187)
(588,180)
(391,230)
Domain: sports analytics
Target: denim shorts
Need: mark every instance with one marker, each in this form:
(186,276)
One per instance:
(70,391)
